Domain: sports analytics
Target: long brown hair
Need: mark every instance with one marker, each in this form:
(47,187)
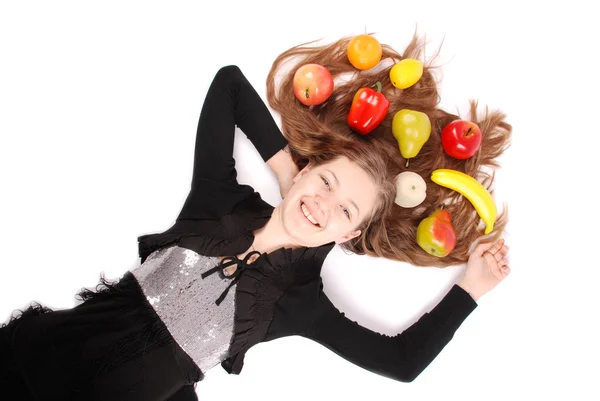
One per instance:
(321,132)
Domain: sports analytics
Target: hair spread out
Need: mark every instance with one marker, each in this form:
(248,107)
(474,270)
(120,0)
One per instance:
(321,133)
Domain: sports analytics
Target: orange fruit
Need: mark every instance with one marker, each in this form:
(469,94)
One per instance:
(364,52)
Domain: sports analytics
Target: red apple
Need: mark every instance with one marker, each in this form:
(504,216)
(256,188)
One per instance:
(461,139)
(313,84)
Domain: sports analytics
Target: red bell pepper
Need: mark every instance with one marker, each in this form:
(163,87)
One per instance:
(368,110)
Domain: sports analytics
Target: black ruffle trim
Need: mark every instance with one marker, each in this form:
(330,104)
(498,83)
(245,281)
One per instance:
(134,317)
(34,309)
(258,290)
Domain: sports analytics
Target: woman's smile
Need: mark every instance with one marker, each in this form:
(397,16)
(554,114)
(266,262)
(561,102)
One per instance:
(308,215)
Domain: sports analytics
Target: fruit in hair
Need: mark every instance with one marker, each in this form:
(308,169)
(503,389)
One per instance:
(368,109)
(461,139)
(406,73)
(471,189)
(411,129)
(313,84)
(364,52)
(411,189)
(436,235)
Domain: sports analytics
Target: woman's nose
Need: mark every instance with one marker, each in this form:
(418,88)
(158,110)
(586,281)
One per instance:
(325,203)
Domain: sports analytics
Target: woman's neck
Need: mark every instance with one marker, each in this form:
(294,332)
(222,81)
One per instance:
(272,235)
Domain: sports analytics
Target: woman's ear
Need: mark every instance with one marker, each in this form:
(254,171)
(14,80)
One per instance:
(305,170)
(348,237)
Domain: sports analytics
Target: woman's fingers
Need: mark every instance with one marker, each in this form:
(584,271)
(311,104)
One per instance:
(498,266)
(497,246)
(491,261)
(490,247)
(482,248)
(498,273)
(504,268)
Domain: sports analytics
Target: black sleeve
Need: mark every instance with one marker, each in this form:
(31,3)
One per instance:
(402,357)
(231,101)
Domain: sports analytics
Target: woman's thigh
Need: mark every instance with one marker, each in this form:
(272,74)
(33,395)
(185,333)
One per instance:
(186,393)
(11,380)
(152,376)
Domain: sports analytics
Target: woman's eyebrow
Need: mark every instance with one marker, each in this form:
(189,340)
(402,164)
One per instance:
(337,184)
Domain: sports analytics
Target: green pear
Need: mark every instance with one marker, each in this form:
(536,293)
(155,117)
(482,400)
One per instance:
(411,129)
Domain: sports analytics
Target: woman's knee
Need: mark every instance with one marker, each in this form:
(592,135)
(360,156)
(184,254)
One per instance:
(186,393)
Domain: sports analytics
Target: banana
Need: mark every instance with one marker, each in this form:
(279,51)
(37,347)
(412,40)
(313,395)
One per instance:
(471,189)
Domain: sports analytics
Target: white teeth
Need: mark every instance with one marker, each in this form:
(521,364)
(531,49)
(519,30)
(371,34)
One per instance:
(308,215)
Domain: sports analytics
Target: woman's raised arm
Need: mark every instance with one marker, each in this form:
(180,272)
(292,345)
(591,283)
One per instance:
(231,101)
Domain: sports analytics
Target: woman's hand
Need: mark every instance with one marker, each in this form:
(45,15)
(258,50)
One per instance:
(486,267)
(285,170)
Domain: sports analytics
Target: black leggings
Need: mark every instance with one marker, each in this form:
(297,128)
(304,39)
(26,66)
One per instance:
(12,383)
(111,347)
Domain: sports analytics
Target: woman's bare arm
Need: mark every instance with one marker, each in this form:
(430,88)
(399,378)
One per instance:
(284,168)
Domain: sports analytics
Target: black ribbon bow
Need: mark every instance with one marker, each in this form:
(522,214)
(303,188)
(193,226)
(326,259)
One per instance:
(235,277)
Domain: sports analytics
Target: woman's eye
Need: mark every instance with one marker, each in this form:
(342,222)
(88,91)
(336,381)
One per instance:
(326,182)
(346,212)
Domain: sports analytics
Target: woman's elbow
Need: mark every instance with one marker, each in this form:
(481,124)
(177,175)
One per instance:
(410,376)
(406,374)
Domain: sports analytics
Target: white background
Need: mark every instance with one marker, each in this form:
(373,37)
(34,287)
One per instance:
(98,112)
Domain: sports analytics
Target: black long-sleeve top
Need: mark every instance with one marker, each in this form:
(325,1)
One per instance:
(281,293)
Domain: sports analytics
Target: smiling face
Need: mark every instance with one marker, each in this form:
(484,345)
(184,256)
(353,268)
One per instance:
(328,202)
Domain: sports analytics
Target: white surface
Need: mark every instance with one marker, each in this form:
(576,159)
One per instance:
(98,112)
